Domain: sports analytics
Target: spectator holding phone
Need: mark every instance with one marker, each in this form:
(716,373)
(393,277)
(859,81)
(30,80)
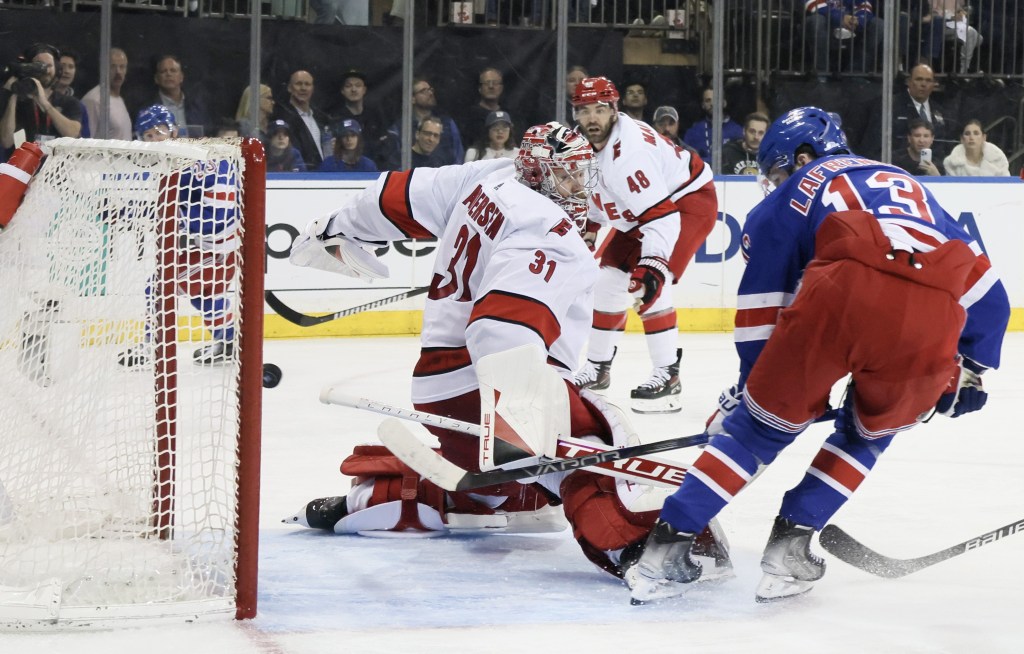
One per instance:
(916,158)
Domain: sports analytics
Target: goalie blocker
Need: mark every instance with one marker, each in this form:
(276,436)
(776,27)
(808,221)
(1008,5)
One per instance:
(610,518)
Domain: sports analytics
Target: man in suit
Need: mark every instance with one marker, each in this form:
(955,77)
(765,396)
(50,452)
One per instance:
(916,102)
(308,124)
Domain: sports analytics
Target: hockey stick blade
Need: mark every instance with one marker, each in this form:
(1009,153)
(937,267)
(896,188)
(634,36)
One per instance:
(447,475)
(846,548)
(306,320)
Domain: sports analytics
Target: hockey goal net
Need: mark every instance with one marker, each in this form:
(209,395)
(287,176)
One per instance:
(131,306)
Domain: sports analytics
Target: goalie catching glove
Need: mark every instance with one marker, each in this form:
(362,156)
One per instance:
(964,393)
(646,282)
(314,248)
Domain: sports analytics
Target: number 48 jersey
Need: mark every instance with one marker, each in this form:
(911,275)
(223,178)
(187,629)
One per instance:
(510,268)
(779,241)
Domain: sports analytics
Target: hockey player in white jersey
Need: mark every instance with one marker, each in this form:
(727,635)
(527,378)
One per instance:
(660,201)
(511,270)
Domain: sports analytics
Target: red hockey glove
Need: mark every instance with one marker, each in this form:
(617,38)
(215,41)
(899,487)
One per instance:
(964,392)
(646,282)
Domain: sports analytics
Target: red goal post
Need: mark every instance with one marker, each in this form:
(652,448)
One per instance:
(129,475)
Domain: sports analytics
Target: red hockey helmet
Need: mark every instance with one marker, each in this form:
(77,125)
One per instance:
(550,154)
(596,89)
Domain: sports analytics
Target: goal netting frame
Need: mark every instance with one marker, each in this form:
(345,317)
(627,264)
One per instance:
(129,487)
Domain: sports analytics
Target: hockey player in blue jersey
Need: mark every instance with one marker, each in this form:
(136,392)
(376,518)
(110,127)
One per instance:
(853,268)
(208,241)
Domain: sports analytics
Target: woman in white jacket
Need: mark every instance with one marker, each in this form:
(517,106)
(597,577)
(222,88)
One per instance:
(975,156)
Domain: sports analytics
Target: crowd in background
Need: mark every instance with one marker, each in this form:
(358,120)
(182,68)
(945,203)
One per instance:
(310,128)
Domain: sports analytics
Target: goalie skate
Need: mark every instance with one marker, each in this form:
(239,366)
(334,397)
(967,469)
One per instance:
(595,375)
(789,567)
(661,393)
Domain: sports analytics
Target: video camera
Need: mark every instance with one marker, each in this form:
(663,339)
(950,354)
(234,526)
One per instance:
(25,71)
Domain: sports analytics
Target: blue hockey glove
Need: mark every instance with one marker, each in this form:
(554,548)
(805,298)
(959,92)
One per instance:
(964,393)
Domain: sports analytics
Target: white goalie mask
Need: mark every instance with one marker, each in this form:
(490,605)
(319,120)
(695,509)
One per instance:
(559,163)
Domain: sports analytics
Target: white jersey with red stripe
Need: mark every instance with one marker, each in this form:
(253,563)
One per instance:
(643,175)
(510,269)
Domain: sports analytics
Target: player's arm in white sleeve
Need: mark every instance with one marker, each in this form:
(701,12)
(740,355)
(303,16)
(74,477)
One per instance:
(400,205)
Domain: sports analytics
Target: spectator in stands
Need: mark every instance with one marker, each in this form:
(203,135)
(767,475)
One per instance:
(190,111)
(348,150)
(634,101)
(424,102)
(308,124)
(1000,22)
(936,23)
(119,120)
(228,129)
(917,102)
(739,156)
(353,105)
(918,157)
(67,68)
(831,21)
(975,156)
(573,76)
(498,142)
(489,90)
(266,108)
(666,123)
(30,104)
(698,136)
(282,156)
(428,138)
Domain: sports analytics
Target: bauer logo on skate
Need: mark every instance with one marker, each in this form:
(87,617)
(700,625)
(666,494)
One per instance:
(993,536)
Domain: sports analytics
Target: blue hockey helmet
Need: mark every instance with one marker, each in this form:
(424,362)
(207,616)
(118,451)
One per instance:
(153,116)
(811,126)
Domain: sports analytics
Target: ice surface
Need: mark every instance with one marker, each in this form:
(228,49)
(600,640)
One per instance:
(937,485)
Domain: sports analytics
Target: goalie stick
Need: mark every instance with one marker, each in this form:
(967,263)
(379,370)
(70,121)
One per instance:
(306,320)
(627,462)
(423,459)
(846,548)
(645,470)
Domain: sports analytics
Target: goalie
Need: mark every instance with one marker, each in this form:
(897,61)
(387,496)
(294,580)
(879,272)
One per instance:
(512,271)
(208,224)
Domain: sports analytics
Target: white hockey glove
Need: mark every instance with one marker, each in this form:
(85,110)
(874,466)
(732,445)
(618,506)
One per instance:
(727,403)
(335,254)
(964,393)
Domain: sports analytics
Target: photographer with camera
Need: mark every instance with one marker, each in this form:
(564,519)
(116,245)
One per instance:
(29,103)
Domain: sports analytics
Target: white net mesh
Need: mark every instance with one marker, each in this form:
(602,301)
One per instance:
(118,478)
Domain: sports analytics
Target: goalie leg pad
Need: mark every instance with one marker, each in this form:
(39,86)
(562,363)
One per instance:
(415,504)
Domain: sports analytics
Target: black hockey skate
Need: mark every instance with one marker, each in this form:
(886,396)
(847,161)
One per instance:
(321,513)
(790,568)
(214,354)
(595,375)
(662,392)
(135,357)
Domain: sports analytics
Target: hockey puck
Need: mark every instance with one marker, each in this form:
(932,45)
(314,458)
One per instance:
(271,375)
